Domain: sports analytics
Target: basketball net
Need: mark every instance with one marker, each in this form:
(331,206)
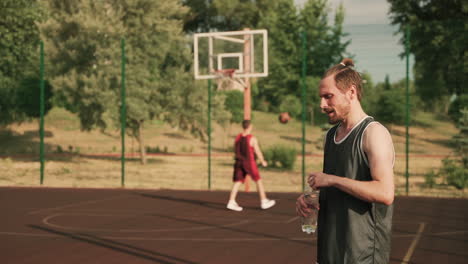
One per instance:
(227,81)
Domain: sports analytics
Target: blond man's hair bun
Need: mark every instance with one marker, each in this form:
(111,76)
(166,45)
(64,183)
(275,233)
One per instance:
(347,62)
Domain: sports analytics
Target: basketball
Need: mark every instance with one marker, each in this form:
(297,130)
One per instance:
(284,117)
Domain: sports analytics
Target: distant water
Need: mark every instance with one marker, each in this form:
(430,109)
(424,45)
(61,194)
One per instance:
(376,49)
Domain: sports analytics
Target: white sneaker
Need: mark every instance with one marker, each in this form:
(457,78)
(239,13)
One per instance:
(265,204)
(232,205)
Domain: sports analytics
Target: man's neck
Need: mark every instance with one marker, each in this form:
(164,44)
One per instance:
(353,118)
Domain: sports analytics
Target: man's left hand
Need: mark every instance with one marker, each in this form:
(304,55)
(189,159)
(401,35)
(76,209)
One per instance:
(319,179)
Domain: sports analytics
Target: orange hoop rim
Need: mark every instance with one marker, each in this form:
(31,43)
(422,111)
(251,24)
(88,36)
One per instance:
(225,73)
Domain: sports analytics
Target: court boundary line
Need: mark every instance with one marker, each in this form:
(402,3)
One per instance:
(414,243)
(136,238)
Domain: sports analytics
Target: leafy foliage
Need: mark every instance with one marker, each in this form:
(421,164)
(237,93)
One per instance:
(292,105)
(461,140)
(279,156)
(83,38)
(455,170)
(438,42)
(391,107)
(430,178)
(369,94)
(455,174)
(20,36)
(19,66)
(285,23)
(28,94)
(234,103)
(455,109)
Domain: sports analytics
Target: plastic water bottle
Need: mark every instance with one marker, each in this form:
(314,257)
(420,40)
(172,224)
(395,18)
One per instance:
(309,223)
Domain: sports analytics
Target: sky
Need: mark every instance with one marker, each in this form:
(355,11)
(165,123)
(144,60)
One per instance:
(364,11)
(361,11)
(374,44)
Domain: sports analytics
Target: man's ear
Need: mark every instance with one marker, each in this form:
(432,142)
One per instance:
(352,92)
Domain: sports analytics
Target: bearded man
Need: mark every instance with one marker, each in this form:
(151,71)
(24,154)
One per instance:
(356,184)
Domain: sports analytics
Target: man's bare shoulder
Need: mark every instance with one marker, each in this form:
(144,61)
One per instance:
(376,127)
(376,133)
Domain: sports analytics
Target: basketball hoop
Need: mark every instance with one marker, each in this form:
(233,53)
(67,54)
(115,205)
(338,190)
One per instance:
(227,81)
(224,73)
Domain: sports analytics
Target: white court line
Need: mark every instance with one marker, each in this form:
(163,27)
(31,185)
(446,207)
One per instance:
(27,234)
(46,221)
(451,233)
(76,204)
(201,239)
(448,233)
(292,219)
(410,251)
(168,238)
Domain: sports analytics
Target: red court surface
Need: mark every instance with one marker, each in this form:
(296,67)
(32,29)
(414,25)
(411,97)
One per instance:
(48,225)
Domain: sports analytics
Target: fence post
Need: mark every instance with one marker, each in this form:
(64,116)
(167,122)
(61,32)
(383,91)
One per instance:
(123,110)
(209,134)
(407,37)
(41,126)
(304,72)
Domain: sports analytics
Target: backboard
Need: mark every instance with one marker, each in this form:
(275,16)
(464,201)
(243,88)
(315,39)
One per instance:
(245,52)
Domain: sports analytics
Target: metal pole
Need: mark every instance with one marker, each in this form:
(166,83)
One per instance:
(248,39)
(41,126)
(407,107)
(123,111)
(304,72)
(209,134)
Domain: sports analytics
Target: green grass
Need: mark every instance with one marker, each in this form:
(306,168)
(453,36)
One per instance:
(429,135)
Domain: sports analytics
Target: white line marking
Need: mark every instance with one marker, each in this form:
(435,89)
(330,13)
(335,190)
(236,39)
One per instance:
(75,204)
(214,239)
(169,238)
(201,239)
(408,255)
(451,233)
(46,221)
(26,234)
(292,219)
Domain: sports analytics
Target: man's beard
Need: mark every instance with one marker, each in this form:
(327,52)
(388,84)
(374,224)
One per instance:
(344,110)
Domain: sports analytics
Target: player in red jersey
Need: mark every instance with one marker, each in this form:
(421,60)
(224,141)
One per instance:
(246,148)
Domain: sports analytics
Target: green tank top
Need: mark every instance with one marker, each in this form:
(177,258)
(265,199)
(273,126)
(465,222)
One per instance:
(351,230)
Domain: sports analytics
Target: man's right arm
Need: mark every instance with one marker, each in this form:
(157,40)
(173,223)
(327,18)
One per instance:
(378,146)
(258,152)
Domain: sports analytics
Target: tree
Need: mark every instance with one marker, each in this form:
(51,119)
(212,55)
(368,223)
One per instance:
(284,23)
(83,38)
(369,94)
(200,18)
(28,97)
(387,84)
(390,106)
(292,105)
(235,105)
(438,42)
(280,18)
(325,42)
(19,66)
(456,107)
